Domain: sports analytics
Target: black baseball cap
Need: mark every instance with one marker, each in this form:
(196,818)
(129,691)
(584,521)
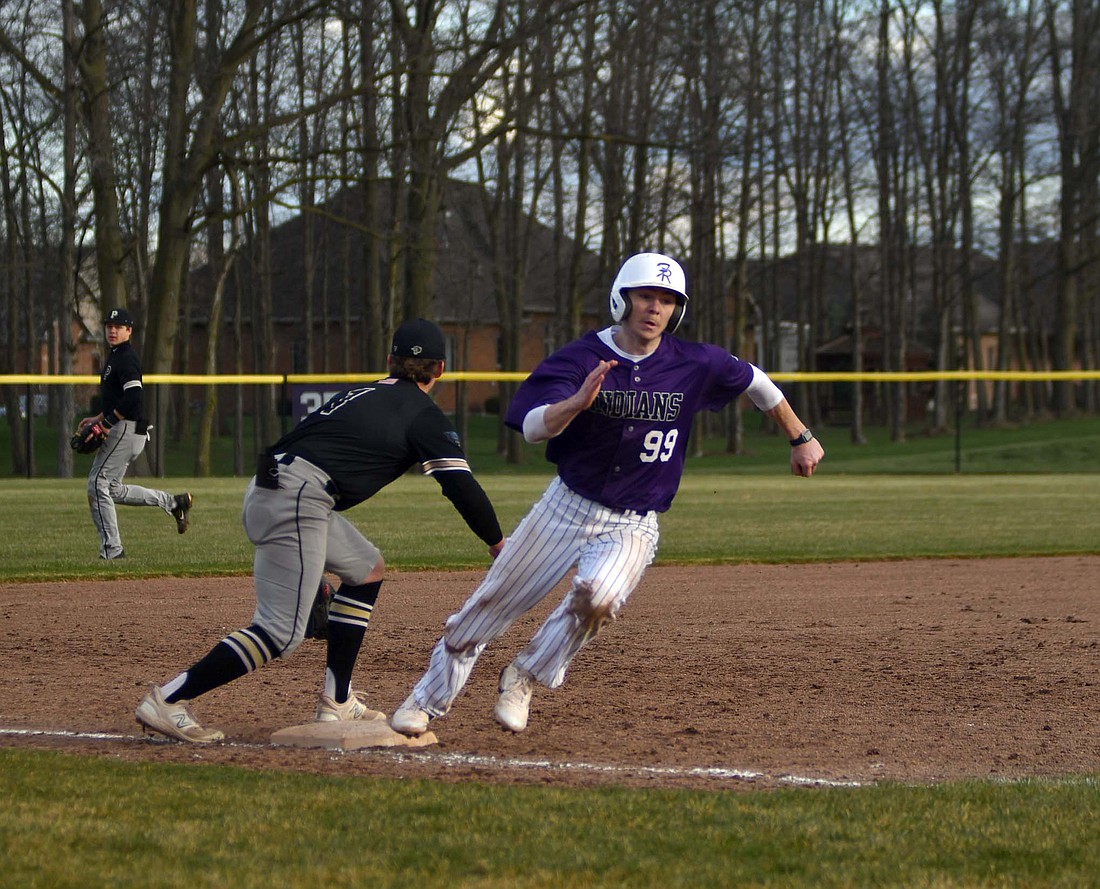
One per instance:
(119,316)
(419,338)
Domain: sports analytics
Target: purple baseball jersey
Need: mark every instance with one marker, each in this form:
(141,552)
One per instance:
(627,450)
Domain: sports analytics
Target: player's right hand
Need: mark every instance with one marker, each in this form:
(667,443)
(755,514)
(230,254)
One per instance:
(592,384)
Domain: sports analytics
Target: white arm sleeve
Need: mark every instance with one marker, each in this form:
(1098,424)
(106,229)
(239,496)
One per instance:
(534,426)
(763,392)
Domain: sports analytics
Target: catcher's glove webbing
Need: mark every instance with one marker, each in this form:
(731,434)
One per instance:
(317,625)
(88,439)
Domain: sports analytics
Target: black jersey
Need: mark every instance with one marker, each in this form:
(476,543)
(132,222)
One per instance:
(368,436)
(120,383)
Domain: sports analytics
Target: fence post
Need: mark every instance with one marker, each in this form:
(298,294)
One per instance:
(960,394)
(29,434)
(284,405)
(158,442)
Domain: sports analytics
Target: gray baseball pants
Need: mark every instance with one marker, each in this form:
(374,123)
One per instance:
(298,536)
(105,488)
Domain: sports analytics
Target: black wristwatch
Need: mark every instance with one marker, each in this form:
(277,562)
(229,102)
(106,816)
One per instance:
(802,439)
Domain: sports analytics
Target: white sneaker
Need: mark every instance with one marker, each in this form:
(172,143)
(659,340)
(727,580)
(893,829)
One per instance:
(353,708)
(174,720)
(515,698)
(410,718)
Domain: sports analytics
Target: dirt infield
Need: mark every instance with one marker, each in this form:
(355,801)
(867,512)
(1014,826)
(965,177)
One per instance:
(732,677)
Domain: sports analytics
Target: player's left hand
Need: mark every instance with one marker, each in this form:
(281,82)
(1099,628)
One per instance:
(88,438)
(805,457)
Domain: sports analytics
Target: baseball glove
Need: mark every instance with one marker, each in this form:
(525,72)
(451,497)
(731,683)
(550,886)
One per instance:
(88,439)
(317,625)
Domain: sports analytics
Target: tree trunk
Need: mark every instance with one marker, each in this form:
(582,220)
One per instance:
(189,146)
(92,63)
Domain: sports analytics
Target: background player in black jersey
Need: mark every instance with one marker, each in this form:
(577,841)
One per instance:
(127,432)
(344,452)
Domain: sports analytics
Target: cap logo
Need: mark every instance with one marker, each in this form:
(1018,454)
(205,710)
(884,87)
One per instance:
(664,272)
(416,350)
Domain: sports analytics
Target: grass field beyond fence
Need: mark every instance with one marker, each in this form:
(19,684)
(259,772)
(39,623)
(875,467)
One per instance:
(1041,446)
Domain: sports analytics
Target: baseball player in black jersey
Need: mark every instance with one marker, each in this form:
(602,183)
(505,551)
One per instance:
(344,452)
(123,432)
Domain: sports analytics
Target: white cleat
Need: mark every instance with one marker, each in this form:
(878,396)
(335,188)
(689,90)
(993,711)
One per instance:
(514,702)
(352,709)
(174,720)
(410,718)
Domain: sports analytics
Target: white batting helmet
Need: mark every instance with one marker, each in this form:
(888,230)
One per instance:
(650,270)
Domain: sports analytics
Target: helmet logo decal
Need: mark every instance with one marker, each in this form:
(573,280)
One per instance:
(664,272)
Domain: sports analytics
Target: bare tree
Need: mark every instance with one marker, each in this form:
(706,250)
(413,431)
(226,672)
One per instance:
(1009,46)
(189,148)
(1073,30)
(15,292)
(66,289)
(377,317)
(748,186)
(431,101)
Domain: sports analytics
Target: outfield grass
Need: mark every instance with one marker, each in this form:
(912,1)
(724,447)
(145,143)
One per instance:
(78,822)
(717,518)
(72,821)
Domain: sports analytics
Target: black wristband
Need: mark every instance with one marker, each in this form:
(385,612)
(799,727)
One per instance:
(106,423)
(804,437)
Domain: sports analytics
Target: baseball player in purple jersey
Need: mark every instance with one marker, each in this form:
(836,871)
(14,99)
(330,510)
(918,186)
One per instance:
(615,408)
(344,452)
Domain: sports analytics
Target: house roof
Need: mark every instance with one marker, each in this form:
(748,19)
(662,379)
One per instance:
(775,285)
(465,264)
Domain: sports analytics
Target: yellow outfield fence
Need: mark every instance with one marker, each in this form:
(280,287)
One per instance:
(497,376)
(302,393)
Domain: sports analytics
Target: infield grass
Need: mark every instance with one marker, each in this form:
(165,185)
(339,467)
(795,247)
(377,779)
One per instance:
(77,822)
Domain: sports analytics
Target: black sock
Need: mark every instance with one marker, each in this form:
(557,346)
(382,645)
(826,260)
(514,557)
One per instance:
(237,654)
(348,618)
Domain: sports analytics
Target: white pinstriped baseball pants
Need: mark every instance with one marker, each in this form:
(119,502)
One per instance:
(611,550)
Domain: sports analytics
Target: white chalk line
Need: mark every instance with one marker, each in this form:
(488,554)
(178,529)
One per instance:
(465,760)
